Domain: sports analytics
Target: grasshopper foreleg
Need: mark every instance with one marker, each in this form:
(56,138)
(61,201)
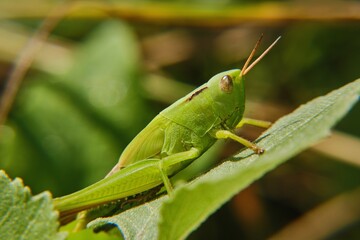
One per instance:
(253,122)
(223,134)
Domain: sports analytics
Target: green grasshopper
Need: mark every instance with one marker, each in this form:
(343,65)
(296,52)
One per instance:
(176,137)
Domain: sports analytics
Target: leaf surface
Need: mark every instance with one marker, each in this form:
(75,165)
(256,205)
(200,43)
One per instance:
(23,216)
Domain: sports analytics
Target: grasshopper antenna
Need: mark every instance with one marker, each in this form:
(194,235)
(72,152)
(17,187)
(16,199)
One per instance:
(247,68)
(251,55)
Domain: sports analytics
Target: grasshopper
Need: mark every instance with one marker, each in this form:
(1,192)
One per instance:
(177,136)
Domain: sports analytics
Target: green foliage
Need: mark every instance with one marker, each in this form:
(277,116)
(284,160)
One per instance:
(176,217)
(67,130)
(82,119)
(87,234)
(23,216)
(194,202)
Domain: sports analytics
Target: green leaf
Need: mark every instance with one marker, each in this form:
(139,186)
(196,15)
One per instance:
(23,216)
(138,223)
(194,202)
(89,234)
(90,114)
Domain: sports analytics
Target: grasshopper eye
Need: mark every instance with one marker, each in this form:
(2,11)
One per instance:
(226,84)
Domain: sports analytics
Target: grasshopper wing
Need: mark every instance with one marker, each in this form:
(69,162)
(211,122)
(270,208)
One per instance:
(148,143)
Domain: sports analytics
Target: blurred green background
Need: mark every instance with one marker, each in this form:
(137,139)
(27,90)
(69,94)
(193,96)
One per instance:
(108,67)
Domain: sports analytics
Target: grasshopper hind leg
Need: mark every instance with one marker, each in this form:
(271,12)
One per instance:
(166,163)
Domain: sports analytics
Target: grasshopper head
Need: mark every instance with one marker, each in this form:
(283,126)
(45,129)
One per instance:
(227,90)
(228,96)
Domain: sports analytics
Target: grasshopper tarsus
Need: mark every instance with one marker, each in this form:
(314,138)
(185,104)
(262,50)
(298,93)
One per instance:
(259,151)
